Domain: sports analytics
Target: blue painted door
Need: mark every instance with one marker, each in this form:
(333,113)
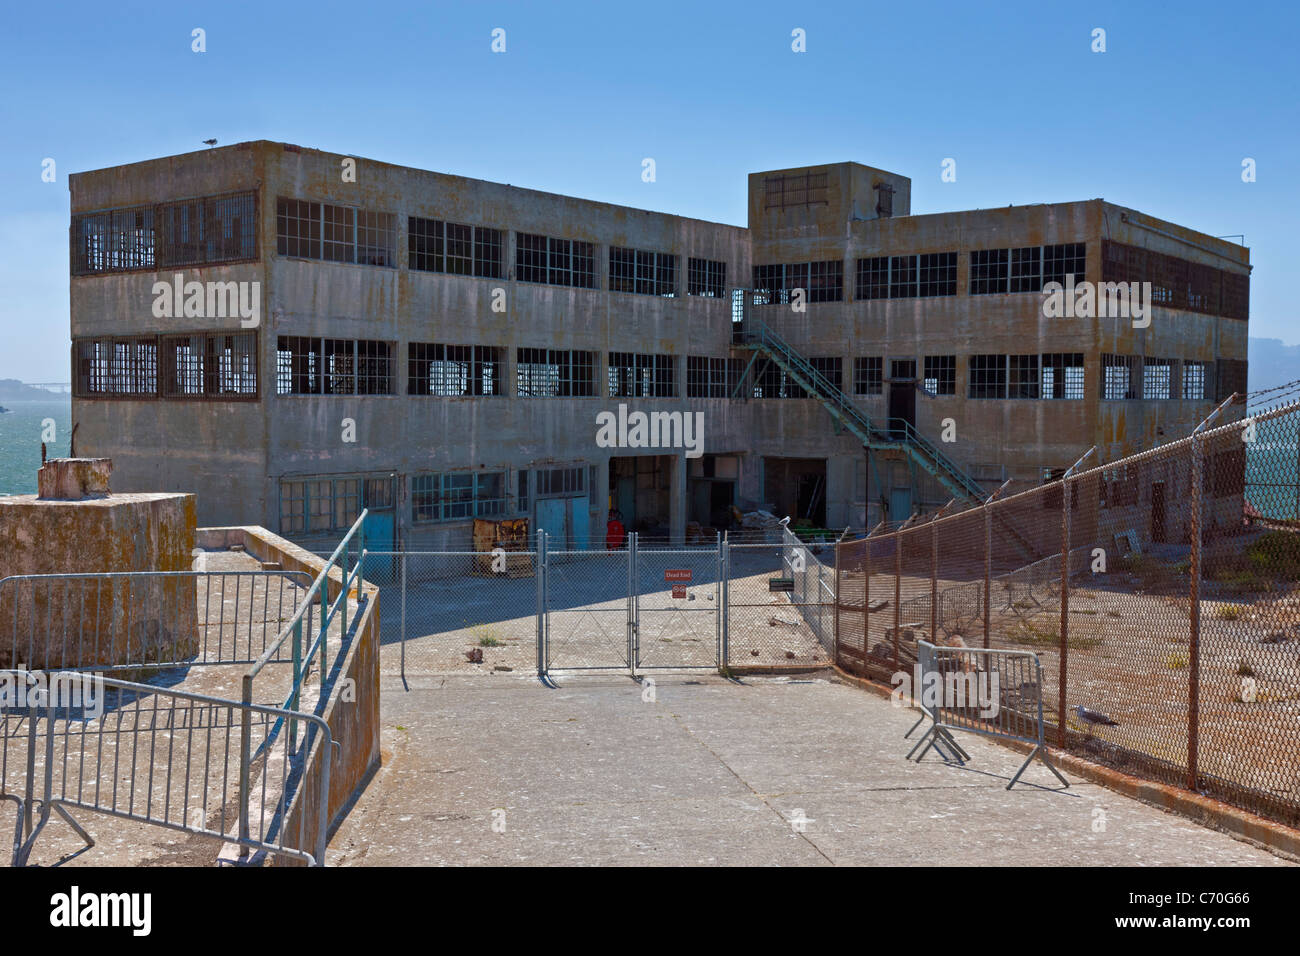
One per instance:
(900,504)
(550,518)
(580,522)
(380,528)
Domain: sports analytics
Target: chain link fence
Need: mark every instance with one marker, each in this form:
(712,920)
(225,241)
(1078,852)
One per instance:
(631,608)
(1169,634)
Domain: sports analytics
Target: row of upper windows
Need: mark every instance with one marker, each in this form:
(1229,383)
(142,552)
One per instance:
(224,366)
(313,230)
(922,275)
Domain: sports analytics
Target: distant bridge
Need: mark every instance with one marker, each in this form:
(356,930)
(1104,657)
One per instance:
(60,387)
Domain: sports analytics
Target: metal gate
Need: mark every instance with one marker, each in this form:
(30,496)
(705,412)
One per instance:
(629,610)
(676,621)
(779,603)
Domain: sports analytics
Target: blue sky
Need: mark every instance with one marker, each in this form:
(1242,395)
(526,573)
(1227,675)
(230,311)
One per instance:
(1161,121)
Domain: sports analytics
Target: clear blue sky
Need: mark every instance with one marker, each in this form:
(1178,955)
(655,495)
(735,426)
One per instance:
(711,91)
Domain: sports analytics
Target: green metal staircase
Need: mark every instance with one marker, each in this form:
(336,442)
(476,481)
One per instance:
(897,435)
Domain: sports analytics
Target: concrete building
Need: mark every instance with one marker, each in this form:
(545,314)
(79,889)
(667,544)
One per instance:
(296,335)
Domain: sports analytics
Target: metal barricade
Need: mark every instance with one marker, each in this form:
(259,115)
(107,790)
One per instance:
(994,693)
(161,757)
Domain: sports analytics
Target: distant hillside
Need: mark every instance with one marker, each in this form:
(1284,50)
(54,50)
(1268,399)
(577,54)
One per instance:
(1271,363)
(12,390)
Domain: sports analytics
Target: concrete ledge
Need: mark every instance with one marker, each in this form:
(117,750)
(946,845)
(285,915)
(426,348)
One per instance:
(1224,817)
(354,724)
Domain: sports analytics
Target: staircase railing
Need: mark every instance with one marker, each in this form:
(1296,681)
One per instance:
(898,432)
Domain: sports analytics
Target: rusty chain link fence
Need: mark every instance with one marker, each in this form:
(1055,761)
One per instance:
(1173,619)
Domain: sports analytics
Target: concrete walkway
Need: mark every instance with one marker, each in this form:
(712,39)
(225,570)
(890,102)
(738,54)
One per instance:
(502,770)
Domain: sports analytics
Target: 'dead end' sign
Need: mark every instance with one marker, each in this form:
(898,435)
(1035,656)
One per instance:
(780,584)
(678,578)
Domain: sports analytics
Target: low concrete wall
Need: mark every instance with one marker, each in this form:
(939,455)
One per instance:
(51,624)
(352,715)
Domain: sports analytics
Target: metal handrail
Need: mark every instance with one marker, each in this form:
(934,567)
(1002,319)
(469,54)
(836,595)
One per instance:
(868,432)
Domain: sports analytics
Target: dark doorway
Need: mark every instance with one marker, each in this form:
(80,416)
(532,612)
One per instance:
(902,396)
(796,487)
(902,407)
(1158,533)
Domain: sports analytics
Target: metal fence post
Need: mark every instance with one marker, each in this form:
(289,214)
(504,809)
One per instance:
(539,562)
(632,642)
(726,601)
(835,618)
(402,572)
(1065,612)
(934,579)
(721,601)
(1194,597)
(898,590)
(245,756)
(988,571)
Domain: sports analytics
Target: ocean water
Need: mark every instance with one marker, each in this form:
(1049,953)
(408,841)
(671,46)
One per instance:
(20,440)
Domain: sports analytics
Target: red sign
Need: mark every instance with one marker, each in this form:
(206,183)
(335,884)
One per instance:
(677,577)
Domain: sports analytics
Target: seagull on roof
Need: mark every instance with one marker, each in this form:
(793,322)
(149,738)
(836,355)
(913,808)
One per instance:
(1095,717)
(210,142)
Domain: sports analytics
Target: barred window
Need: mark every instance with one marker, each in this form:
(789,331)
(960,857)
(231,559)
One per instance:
(988,376)
(826,281)
(937,274)
(1062,261)
(1062,375)
(376,238)
(315,366)
(872,279)
(940,376)
(375,368)
(530,257)
(454,248)
(1121,376)
(704,277)
(488,253)
(453,370)
(622,270)
(116,366)
(988,271)
(1027,269)
(1022,381)
(868,375)
(821,282)
(459,246)
(831,368)
(553,261)
(546,373)
(1194,388)
(297,228)
(772,381)
(314,230)
(902,277)
(457,496)
(1157,379)
(712,377)
(185,232)
(312,505)
(560,481)
(632,375)
(338,233)
(208,365)
(642,272)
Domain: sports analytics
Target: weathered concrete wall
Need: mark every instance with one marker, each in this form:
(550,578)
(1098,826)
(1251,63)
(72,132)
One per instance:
(47,625)
(236,453)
